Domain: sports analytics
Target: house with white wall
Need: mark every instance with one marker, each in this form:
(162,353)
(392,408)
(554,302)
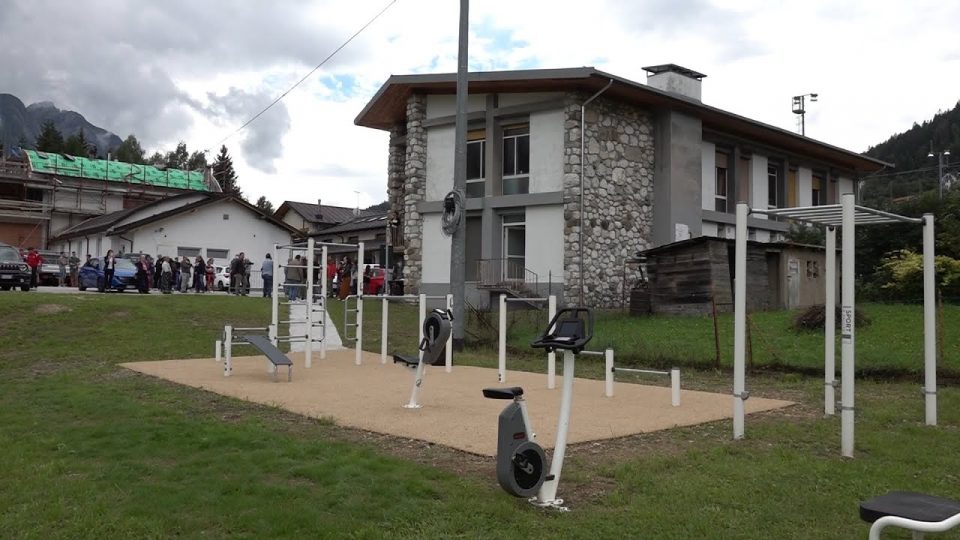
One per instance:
(212,225)
(311,218)
(550,210)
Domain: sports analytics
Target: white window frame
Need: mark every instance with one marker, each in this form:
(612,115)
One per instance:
(514,177)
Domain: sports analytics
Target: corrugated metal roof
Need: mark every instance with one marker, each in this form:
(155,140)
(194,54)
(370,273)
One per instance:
(321,213)
(363,223)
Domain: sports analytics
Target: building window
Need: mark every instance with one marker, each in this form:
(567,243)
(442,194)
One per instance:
(226,217)
(775,187)
(188,252)
(722,191)
(34,194)
(817,195)
(218,253)
(476,163)
(473,240)
(516,159)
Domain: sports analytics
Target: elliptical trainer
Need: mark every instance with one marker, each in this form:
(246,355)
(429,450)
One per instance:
(520,460)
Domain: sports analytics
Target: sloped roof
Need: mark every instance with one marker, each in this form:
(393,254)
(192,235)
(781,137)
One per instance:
(388,106)
(361,223)
(114,171)
(108,222)
(329,214)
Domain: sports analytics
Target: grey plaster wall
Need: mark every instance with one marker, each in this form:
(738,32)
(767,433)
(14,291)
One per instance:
(679,168)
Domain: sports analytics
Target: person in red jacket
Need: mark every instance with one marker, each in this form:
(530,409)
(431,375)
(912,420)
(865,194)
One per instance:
(34,261)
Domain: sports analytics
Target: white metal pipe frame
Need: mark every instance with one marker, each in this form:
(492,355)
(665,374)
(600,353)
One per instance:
(847,215)
(308,338)
(610,369)
(551,302)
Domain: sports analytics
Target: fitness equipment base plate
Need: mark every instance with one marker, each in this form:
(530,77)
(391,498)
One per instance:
(555,504)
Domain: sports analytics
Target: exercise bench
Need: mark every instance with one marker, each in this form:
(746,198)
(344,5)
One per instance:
(276,357)
(916,512)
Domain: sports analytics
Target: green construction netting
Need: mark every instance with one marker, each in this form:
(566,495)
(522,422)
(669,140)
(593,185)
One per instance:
(114,171)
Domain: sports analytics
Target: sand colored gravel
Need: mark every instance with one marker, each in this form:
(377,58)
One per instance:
(454,413)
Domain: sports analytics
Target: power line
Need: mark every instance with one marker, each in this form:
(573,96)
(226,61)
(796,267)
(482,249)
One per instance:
(312,71)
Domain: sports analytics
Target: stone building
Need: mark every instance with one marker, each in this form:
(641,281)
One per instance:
(659,166)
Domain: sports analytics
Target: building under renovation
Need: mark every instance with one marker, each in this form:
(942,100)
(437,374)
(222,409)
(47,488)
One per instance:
(43,194)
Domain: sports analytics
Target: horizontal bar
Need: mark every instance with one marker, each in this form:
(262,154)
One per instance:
(290,246)
(334,244)
(264,328)
(648,371)
(295,266)
(593,353)
(527,299)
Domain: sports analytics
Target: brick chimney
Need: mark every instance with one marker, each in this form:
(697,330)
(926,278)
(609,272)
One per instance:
(675,80)
(319,211)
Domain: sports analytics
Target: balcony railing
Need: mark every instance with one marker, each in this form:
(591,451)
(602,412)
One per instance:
(506,274)
(16,169)
(24,209)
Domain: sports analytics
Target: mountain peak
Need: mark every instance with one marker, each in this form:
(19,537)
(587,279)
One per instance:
(19,123)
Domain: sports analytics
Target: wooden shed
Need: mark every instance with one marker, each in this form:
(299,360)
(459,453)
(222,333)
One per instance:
(688,276)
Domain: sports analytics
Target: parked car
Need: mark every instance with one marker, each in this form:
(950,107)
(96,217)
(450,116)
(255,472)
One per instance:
(124,275)
(221,280)
(13,271)
(375,285)
(49,271)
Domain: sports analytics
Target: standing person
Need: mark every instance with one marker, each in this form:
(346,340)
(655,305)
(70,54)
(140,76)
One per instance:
(166,275)
(62,267)
(236,274)
(354,276)
(142,268)
(292,275)
(266,272)
(148,269)
(247,264)
(185,274)
(74,262)
(345,278)
(158,272)
(211,273)
(109,267)
(367,273)
(331,273)
(200,275)
(34,261)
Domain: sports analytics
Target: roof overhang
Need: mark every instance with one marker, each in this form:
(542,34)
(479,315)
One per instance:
(388,107)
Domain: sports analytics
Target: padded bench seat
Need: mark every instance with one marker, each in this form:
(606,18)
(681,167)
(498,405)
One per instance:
(928,513)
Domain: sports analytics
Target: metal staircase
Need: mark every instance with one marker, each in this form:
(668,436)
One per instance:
(505,276)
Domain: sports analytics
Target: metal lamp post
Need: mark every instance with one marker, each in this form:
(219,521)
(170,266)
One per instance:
(799,107)
(941,160)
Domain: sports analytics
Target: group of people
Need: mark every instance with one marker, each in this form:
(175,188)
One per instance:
(65,264)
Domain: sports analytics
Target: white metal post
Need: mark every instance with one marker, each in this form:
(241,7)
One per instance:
(847,303)
(502,341)
(323,301)
(227,350)
(608,373)
(929,324)
(422,316)
(829,326)
(740,320)
(359,348)
(552,356)
(275,299)
(216,351)
(448,361)
(548,491)
(308,344)
(675,386)
(384,314)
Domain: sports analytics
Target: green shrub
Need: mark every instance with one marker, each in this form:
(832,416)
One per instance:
(901,276)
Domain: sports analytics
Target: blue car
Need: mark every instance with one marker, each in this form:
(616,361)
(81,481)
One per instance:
(124,275)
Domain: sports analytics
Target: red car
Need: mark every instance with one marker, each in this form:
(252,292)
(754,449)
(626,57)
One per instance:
(375,285)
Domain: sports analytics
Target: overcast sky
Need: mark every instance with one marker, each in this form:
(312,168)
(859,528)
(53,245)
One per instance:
(191,70)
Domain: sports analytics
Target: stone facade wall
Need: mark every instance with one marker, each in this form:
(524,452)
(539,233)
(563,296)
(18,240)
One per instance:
(618,196)
(407,173)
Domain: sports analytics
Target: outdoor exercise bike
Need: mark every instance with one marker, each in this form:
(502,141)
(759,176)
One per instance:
(436,331)
(521,461)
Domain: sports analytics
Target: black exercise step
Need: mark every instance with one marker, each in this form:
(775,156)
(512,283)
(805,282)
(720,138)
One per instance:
(503,393)
(409,361)
(910,505)
(272,353)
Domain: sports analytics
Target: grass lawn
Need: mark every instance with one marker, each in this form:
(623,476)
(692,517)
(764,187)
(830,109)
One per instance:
(94,451)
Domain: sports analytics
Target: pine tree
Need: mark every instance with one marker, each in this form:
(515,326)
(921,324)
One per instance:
(130,151)
(265,205)
(224,173)
(77,145)
(50,139)
(157,160)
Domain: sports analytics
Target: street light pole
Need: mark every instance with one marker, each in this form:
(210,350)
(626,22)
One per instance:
(799,107)
(940,163)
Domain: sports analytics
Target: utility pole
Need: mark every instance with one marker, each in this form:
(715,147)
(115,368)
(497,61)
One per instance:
(940,162)
(799,107)
(458,241)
